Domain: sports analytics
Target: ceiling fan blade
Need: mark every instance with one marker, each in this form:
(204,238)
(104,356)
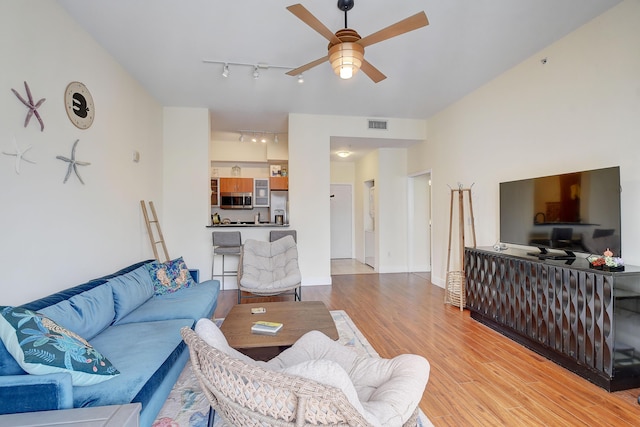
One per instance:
(409,24)
(305,16)
(308,66)
(371,71)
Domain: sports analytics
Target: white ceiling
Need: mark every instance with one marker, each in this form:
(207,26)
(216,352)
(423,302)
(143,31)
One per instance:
(164,43)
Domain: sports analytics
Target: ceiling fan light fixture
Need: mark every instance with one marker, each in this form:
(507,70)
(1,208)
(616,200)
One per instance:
(346,59)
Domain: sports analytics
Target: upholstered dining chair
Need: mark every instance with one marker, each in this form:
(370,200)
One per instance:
(317,381)
(269,268)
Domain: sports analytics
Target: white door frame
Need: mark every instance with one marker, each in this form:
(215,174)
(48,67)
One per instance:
(412,232)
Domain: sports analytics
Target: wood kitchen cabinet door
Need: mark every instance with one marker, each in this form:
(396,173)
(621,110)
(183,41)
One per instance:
(236,185)
(279,182)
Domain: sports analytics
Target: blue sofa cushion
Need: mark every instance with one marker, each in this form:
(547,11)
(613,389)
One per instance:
(87,314)
(41,303)
(40,346)
(191,303)
(140,351)
(170,276)
(130,291)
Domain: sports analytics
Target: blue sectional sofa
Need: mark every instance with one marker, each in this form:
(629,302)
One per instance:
(123,318)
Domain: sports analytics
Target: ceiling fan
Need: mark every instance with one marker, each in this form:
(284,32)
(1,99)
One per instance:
(346,47)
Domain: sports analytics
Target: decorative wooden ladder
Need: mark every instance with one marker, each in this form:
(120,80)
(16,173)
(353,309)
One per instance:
(455,291)
(154,220)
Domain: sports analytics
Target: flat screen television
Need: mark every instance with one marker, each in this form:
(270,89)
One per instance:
(569,213)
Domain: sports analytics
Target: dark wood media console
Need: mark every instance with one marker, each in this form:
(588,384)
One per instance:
(583,319)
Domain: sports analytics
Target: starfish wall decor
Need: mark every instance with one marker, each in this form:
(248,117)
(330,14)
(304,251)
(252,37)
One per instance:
(19,155)
(33,108)
(73,163)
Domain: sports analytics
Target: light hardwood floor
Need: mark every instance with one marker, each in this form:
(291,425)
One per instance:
(478,377)
(349,266)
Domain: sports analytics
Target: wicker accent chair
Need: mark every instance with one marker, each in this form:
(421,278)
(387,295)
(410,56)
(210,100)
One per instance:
(269,268)
(249,393)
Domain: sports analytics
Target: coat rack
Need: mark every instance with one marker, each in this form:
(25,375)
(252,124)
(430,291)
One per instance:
(455,286)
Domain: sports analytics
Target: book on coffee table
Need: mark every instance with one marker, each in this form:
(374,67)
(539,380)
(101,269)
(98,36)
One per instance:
(266,328)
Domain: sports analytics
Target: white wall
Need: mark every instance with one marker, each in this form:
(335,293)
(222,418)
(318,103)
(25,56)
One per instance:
(579,111)
(186,189)
(309,165)
(392,211)
(56,235)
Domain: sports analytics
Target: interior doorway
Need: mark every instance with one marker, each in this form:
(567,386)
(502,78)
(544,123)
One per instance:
(341,221)
(420,222)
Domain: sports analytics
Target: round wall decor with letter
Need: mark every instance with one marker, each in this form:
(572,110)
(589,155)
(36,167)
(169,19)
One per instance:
(79,105)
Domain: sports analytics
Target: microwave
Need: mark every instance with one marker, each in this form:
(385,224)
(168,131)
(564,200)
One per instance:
(236,201)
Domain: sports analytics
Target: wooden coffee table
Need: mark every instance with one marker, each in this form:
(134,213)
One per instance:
(298,318)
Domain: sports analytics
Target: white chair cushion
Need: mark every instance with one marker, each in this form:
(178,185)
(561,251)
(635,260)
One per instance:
(330,373)
(212,335)
(270,265)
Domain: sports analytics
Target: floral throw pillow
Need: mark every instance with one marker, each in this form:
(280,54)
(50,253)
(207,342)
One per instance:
(41,346)
(170,276)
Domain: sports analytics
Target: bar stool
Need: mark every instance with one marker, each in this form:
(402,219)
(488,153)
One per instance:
(225,243)
(279,234)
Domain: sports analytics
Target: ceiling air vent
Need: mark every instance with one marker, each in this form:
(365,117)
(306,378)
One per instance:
(378,124)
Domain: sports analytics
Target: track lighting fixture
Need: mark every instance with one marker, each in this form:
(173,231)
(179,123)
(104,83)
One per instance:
(226,65)
(260,135)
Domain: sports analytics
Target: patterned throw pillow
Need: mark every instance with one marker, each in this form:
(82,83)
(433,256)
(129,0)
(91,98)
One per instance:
(40,346)
(170,276)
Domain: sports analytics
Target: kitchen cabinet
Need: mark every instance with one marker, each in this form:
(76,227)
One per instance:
(215,193)
(261,193)
(236,185)
(279,182)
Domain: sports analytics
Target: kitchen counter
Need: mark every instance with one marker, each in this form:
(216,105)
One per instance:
(246,224)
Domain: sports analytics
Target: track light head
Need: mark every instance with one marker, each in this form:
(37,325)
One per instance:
(256,73)
(300,79)
(242,137)
(275,138)
(225,70)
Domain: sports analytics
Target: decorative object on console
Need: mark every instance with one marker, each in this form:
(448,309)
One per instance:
(79,105)
(19,155)
(606,262)
(73,163)
(41,346)
(33,108)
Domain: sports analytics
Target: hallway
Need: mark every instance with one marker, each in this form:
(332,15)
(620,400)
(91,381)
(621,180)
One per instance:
(349,266)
